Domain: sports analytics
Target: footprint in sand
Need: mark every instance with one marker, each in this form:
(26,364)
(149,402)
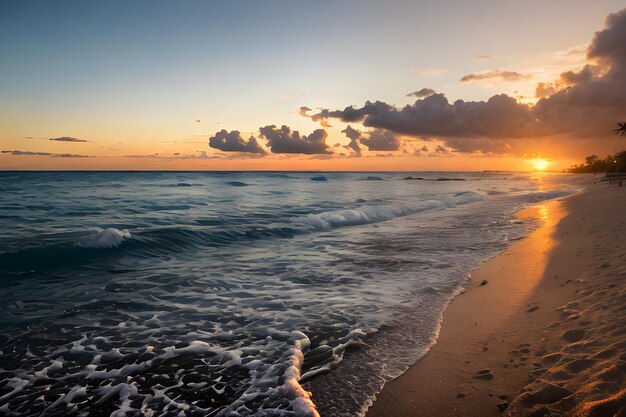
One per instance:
(579,365)
(574,335)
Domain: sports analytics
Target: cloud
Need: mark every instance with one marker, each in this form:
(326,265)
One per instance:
(303,111)
(381,140)
(233,142)
(440,151)
(68,155)
(565,80)
(176,156)
(424,92)
(27,153)
(580,104)
(484,57)
(283,140)
(354,135)
(544,90)
(68,139)
(510,76)
(500,117)
(592,99)
(51,155)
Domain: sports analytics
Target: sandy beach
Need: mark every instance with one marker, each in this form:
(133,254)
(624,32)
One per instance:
(540,329)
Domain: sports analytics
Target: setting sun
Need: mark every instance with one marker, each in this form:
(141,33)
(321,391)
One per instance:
(540,164)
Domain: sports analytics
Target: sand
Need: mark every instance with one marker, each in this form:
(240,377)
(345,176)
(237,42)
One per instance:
(545,333)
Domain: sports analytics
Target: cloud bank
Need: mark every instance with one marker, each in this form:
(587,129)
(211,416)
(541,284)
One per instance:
(51,155)
(233,142)
(424,92)
(495,75)
(68,139)
(283,140)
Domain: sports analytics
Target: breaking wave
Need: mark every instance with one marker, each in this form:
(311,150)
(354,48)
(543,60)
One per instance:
(107,238)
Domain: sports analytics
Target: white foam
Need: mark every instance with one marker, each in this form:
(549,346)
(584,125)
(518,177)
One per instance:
(104,238)
(379,213)
(264,379)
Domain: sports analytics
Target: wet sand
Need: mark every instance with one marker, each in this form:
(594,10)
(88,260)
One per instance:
(540,329)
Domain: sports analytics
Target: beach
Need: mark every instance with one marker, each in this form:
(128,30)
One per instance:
(539,329)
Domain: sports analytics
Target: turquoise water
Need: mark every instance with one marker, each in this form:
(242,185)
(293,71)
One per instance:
(164,293)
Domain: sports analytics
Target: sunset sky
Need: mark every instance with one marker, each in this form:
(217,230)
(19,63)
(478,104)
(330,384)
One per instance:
(152,84)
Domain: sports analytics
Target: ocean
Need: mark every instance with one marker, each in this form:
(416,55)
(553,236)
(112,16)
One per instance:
(236,293)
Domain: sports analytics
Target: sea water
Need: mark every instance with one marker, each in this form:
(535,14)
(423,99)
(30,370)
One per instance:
(236,293)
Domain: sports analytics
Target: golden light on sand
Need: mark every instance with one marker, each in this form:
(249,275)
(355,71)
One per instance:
(540,164)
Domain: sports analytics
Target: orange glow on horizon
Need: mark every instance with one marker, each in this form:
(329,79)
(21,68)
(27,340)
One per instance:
(274,163)
(540,164)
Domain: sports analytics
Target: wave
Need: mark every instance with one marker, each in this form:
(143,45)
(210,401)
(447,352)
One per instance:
(237,183)
(319,178)
(368,214)
(433,179)
(157,242)
(546,195)
(107,238)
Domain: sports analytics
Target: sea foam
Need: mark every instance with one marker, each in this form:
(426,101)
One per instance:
(104,238)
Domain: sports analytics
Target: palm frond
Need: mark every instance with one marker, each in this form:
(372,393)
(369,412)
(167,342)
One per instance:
(621,130)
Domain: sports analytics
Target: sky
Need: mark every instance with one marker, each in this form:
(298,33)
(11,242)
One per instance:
(284,85)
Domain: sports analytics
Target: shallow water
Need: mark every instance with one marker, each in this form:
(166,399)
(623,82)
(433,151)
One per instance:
(221,293)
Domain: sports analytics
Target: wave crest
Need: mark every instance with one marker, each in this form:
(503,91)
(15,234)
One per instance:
(104,238)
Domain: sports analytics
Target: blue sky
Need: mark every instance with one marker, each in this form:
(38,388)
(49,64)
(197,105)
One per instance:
(141,72)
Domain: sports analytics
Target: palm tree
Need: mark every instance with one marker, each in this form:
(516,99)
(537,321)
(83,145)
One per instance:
(621,130)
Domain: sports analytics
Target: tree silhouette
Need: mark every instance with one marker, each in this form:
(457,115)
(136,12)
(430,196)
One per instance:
(621,130)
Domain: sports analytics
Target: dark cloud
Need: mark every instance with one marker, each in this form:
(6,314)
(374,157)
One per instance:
(354,135)
(303,111)
(233,142)
(68,155)
(495,75)
(68,139)
(351,114)
(566,79)
(283,140)
(484,57)
(381,140)
(27,153)
(51,155)
(424,92)
(500,117)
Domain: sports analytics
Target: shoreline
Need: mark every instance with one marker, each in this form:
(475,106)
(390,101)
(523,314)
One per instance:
(502,343)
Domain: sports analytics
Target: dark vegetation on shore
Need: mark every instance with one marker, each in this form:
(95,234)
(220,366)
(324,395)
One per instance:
(594,164)
(612,163)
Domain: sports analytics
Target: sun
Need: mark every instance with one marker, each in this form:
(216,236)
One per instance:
(540,164)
